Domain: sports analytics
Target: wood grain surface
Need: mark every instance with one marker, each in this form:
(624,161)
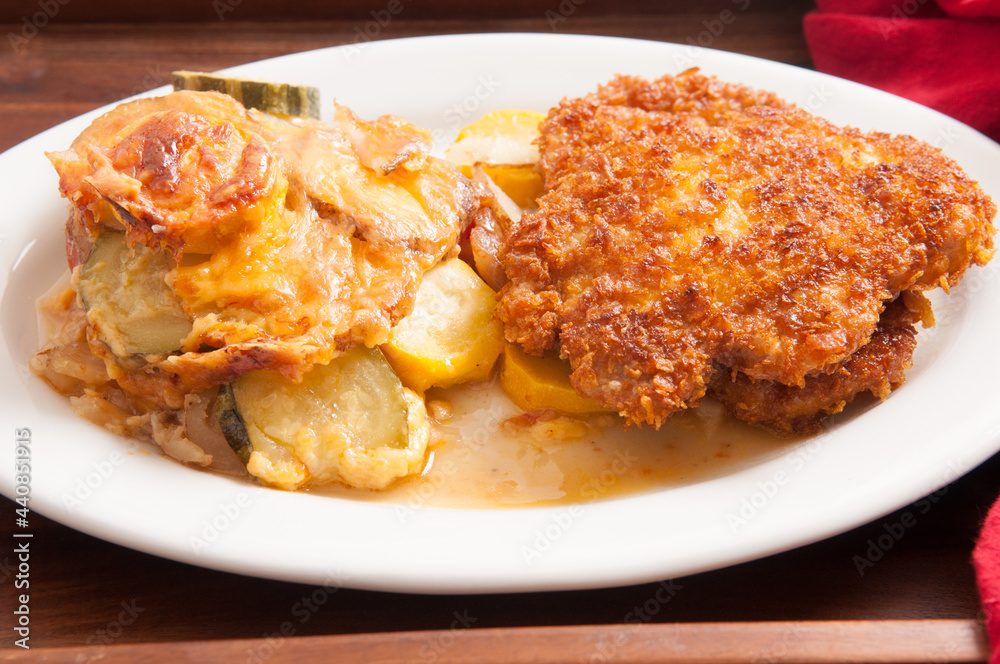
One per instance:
(88,593)
(895,642)
(67,69)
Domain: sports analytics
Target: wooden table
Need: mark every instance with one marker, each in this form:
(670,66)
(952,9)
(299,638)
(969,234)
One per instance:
(93,599)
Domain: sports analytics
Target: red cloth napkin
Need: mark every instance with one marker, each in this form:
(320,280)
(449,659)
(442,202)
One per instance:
(944,55)
(986,558)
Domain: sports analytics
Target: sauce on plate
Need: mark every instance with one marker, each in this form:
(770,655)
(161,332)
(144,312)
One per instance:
(490,454)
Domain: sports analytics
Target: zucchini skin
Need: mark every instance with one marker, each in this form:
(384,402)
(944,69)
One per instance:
(127,301)
(234,428)
(350,421)
(278,98)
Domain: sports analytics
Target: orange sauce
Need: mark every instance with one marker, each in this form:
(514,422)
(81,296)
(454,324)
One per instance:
(489,454)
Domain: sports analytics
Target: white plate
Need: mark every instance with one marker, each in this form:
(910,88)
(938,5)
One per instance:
(944,421)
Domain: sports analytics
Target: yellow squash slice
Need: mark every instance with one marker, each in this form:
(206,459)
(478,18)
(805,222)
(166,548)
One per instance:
(451,336)
(519,181)
(540,383)
(502,141)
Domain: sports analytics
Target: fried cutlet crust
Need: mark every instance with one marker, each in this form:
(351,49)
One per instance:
(690,225)
(877,367)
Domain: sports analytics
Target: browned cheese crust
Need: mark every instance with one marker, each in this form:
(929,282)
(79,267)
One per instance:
(290,240)
(691,226)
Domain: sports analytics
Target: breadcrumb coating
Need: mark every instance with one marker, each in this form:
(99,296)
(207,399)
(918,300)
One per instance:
(691,226)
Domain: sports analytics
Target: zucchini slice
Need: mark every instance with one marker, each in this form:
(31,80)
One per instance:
(350,421)
(277,98)
(127,299)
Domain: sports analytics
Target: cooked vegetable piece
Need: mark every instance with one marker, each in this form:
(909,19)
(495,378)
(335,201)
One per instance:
(451,336)
(485,239)
(350,421)
(502,142)
(506,211)
(519,181)
(514,123)
(486,236)
(277,98)
(128,302)
(540,383)
(499,137)
(201,427)
(227,413)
